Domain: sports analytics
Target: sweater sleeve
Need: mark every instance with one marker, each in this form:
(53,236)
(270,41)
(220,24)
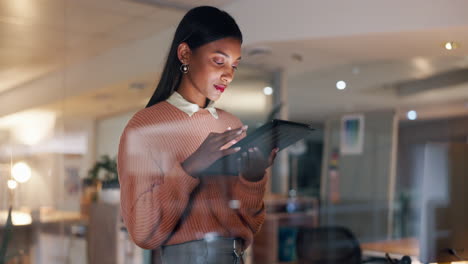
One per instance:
(251,206)
(155,190)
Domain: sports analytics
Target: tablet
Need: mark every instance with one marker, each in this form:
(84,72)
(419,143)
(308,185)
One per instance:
(277,133)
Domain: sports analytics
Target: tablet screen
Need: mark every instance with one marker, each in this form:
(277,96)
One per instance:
(277,133)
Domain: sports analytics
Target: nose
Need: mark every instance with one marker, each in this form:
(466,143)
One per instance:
(228,75)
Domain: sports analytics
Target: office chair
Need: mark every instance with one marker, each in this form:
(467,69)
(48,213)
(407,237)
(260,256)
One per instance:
(327,245)
(333,245)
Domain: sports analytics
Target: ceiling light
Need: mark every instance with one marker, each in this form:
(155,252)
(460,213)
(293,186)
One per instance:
(259,51)
(448,46)
(340,85)
(356,70)
(412,115)
(21,172)
(12,184)
(451,45)
(268,90)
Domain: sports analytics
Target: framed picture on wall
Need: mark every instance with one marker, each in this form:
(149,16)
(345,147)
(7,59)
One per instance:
(352,134)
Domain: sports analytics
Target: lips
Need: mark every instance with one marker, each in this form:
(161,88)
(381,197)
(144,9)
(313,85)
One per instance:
(220,88)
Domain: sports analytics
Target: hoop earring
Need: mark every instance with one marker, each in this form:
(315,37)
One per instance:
(184,68)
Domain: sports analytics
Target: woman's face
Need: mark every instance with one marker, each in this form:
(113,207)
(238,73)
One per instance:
(212,67)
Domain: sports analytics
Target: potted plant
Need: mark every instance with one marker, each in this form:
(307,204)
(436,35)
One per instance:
(104,173)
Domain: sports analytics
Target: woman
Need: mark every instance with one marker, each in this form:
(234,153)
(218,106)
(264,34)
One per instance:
(165,198)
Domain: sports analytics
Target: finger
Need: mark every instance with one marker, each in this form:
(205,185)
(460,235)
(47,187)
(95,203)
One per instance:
(215,140)
(222,139)
(272,157)
(245,161)
(239,165)
(231,131)
(234,141)
(257,162)
(260,158)
(229,144)
(229,135)
(253,160)
(230,151)
(216,136)
(256,155)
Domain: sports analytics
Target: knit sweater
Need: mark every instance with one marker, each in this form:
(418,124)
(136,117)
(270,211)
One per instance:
(160,203)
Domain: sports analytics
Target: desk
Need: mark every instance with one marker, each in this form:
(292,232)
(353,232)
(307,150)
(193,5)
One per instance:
(396,248)
(26,229)
(20,218)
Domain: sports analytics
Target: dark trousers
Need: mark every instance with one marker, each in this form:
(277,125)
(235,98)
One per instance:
(211,251)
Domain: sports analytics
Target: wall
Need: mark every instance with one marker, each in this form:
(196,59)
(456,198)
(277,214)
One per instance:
(414,136)
(364,179)
(108,132)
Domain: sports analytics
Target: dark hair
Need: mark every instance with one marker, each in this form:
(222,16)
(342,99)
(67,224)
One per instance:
(199,26)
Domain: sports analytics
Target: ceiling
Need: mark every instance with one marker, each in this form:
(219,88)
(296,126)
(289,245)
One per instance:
(369,64)
(43,36)
(134,94)
(324,54)
(183,5)
(369,88)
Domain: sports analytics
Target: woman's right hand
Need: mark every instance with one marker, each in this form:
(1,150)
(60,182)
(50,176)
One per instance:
(212,149)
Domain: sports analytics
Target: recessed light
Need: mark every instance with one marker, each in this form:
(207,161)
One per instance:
(296,57)
(137,86)
(451,45)
(356,70)
(341,85)
(412,115)
(268,90)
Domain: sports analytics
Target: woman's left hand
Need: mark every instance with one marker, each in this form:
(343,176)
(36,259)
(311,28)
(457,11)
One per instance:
(253,163)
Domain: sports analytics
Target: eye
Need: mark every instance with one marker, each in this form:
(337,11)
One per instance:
(234,67)
(219,62)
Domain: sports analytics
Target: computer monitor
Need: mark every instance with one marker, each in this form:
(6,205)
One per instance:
(443,229)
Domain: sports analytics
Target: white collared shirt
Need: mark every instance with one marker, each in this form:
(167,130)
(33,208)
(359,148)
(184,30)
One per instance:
(189,108)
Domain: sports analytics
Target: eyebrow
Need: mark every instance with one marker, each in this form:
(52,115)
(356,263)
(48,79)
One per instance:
(224,54)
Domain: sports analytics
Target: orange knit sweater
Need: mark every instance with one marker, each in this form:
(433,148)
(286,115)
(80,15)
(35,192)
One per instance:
(160,203)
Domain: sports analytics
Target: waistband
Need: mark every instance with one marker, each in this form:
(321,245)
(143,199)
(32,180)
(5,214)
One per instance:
(237,243)
(229,248)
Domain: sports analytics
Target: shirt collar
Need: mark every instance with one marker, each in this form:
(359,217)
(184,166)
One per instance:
(189,108)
